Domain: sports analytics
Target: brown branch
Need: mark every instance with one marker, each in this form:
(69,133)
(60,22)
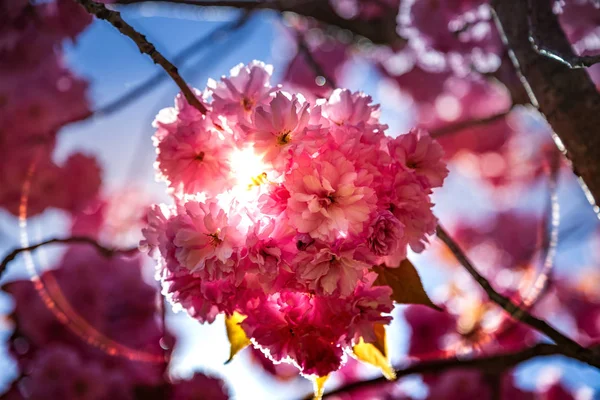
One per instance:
(152,82)
(114,18)
(568,346)
(568,58)
(459,126)
(379,31)
(495,364)
(105,251)
(566,97)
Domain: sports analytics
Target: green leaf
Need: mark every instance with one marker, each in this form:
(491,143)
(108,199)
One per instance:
(236,335)
(319,386)
(376,353)
(405,282)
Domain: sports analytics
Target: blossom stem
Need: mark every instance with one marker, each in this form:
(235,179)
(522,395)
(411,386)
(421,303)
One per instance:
(105,251)
(568,346)
(495,364)
(114,18)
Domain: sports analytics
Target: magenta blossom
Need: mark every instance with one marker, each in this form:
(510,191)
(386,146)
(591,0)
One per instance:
(282,208)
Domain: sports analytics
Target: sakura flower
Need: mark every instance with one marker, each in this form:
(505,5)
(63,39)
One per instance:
(386,234)
(329,271)
(368,303)
(345,107)
(282,208)
(412,207)
(58,372)
(421,154)
(155,231)
(328,197)
(299,327)
(194,158)
(269,251)
(278,126)
(206,238)
(353,115)
(199,386)
(247,87)
(274,201)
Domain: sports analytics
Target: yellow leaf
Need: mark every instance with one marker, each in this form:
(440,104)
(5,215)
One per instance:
(236,335)
(376,353)
(405,283)
(319,386)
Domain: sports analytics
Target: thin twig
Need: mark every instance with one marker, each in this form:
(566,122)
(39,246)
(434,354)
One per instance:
(105,251)
(493,364)
(568,57)
(383,30)
(152,82)
(114,18)
(568,346)
(310,60)
(459,126)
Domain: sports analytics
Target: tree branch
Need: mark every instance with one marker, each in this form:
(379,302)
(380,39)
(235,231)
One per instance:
(568,346)
(150,83)
(310,60)
(105,251)
(459,126)
(380,31)
(567,97)
(568,58)
(114,18)
(495,364)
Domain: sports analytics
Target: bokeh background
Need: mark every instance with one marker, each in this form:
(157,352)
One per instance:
(121,141)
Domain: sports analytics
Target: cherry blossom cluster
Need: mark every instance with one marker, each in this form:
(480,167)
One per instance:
(105,341)
(281,209)
(38,96)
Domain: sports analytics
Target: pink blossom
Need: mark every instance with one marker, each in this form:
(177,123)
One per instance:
(293,250)
(247,87)
(268,252)
(328,271)
(81,178)
(369,303)
(58,372)
(274,201)
(154,233)
(386,235)
(278,127)
(328,197)
(199,386)
(298,326)
(421,154)
(206,239)
(353,115)
(411,205)
(194,158)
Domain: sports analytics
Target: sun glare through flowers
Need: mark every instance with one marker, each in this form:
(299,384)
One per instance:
(300,201)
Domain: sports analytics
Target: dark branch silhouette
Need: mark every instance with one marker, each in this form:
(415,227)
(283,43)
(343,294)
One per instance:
(495,364)
(568,346)
(103,250)
(380,31)
(114,18)
(150,83)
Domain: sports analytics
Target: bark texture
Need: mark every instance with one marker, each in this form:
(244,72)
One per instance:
(565,96)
